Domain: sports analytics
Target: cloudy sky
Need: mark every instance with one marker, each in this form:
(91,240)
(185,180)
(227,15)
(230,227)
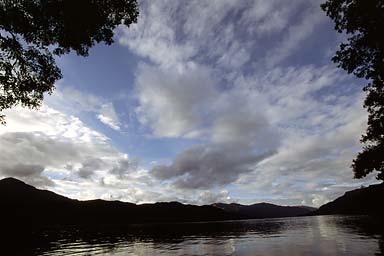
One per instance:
(200,102)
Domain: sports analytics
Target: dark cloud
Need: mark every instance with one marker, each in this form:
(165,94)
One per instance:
(89,167)
(23,170)
(30,173)
(206,166)
(35,148)
(124,166)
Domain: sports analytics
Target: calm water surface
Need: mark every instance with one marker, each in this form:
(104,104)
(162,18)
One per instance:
(319,235)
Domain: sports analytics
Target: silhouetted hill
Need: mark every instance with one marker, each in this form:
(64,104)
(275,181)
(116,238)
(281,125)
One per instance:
(24,205)
(367,200)
(14,191)
(264,210)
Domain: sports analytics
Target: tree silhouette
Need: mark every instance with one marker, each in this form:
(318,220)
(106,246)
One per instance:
(32,32)
(363,55)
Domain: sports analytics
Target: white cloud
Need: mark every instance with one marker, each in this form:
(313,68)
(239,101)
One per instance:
(209,197)
(265,17)
(51,122)
(108,116)
(319,200)
(74,102)
(169,34)
(45,145)
(153,36)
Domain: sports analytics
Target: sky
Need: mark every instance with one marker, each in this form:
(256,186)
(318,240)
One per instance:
(199,102)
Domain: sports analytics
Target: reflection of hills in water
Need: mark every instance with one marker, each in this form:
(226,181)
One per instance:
(112,238)
(321,235)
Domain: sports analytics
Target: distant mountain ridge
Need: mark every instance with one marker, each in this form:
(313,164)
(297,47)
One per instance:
(27,205)
(24,204)
(264,210)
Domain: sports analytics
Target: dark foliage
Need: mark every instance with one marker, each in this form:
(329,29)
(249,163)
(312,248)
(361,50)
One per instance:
(31,32)
(363,55)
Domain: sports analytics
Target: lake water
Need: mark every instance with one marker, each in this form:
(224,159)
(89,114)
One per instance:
(319,235)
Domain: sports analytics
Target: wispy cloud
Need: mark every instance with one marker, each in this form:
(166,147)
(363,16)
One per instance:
(246,100)
(73,101)
(108,116)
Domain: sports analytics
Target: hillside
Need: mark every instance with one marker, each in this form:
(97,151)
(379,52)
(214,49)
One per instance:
(26,205)
(23,204)
(367,200)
